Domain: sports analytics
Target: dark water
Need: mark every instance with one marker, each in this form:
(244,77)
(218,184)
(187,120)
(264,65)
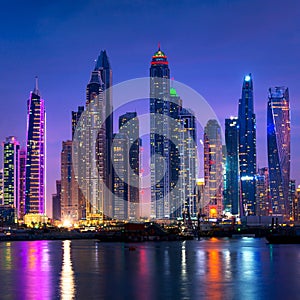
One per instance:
(209,269)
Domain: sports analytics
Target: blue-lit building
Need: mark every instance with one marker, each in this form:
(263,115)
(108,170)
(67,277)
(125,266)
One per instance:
(278,137)
(247,148)
(232,190)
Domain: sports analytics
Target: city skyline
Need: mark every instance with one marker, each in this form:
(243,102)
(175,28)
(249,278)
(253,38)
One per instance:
(209,67)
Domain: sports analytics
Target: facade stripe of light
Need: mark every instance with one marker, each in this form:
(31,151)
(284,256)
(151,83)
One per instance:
(35,154)
(247,148)
(278,136)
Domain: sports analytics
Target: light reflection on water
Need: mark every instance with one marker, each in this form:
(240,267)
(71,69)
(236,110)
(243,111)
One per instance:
(67,282)
(207,269)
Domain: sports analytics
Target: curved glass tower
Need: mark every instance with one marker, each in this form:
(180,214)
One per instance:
(278,135)
(247,148)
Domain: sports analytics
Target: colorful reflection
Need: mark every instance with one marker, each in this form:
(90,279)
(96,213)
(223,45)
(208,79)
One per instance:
(67,282)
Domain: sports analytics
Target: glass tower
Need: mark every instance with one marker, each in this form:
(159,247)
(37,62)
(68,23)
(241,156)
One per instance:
(213,170)
(247,148)
(278,137)
(35,154)
(231,193)
(164,164)
(129,125)
(11,151)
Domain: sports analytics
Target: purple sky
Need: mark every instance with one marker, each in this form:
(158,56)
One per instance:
(210,44)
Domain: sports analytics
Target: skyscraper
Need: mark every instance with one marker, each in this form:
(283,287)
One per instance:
(69,188)
(247,148)
(11,153)
(129,125)
(35,154)
(95,133)
(1,186)
(22,173)
(164,153)
(231,193)
(121,180)
(278,137)
(213,172)
(263,201)
(188,162)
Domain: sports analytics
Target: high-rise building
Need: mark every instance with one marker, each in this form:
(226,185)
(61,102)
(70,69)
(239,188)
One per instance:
(164,164)
(121,181)
(129,125)
(213,172)
(231,191)
(278,138)
(95,168)
(11,151)
(104,68)
(1,186)
(292,193)
(22,173)
(263,201)
(188,162)
(35,154)
(296,205)
(69,188)
(75,118)
(247,148)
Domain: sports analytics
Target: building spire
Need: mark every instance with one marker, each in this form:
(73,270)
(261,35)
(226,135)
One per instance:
(36,87)
(158,46)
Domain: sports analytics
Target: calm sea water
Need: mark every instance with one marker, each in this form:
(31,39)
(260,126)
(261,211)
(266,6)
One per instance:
(244,268)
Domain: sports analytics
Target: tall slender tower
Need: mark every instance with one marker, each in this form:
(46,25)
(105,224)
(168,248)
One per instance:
(129,125)
(35,154)
(213,169)
(159,132)
(104,68)
(11,173)
(278,136)
(22,173)
(121,182)
(247,148)
(231,193)
(188,162)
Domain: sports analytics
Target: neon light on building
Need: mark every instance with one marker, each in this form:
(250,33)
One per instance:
(35,154)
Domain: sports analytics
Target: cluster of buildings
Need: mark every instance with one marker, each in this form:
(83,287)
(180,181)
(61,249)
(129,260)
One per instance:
(101,169)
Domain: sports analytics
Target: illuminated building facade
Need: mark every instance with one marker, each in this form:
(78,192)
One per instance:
(76,117)
(188,162)
(69,188)
(22,173)
(11,152)
(164,164)
(35,154)
(278,143)
(213,170)
(121,180)
(263,200)
(231,192)
(129,125)
(1,186)
(247,148)
(296,205)
(292,192)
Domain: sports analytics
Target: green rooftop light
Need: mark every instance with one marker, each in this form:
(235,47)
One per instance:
(173,92)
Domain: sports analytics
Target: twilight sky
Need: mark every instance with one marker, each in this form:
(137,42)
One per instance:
(210,44)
